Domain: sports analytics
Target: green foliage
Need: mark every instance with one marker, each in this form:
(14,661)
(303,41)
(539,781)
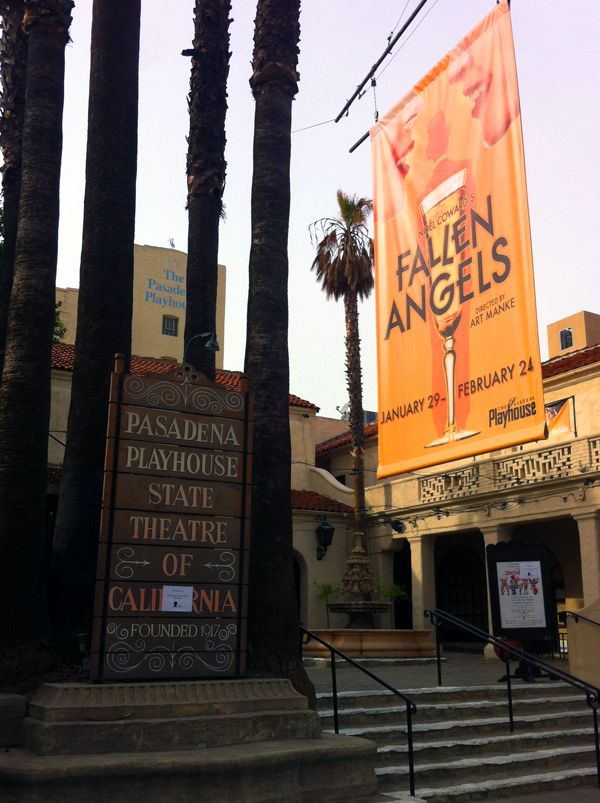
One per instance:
(392,593)
(582,468)
(60,330)
(326,590)
(345,252)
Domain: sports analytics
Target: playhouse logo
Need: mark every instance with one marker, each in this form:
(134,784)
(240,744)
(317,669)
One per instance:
(515,410)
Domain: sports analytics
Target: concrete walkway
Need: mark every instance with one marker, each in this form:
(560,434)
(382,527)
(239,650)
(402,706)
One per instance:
(459,669)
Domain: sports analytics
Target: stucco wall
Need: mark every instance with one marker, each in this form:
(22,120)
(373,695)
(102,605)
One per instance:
(59,413)
(313,612)
(585,327)
(159,288)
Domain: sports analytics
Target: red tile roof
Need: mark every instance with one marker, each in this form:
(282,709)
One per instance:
(309,500)
(571,361)
(53,476)
(63,357)
(296,401)
(344,439)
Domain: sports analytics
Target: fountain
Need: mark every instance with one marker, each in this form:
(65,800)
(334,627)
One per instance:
(360,638)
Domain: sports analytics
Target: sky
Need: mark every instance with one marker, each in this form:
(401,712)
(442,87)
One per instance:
(558,65)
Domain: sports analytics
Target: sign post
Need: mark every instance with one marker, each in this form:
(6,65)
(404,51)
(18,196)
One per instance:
(173,557)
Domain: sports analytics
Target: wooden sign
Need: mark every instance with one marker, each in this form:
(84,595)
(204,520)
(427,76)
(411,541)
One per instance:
(171,591)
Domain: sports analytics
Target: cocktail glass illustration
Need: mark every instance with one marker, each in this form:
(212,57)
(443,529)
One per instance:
(442,206)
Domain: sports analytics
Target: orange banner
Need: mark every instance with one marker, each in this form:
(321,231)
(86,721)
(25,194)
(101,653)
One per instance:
(560,418)
(458,355)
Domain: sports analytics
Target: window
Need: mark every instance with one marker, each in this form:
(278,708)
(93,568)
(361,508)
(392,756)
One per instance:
(566,338)
(170,326)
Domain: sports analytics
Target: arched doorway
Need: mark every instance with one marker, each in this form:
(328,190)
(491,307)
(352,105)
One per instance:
(462,592)
(403,615)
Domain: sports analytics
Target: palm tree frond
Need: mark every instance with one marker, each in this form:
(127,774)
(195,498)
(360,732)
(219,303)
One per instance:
(344,250)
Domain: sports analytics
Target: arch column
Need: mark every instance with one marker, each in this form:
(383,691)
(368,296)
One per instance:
(423,578)
(588,525)
(493,534)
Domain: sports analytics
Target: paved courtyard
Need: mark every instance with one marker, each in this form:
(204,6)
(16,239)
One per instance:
(459,669)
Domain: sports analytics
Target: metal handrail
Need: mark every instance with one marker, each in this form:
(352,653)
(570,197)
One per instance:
(592,693)
(411,707)
(578,616)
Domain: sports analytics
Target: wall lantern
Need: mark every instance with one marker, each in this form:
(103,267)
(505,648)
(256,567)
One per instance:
(397,526)
(324,537)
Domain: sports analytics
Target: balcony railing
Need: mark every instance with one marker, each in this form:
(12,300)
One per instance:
(561,461)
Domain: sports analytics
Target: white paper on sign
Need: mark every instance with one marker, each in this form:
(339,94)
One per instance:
(177,598)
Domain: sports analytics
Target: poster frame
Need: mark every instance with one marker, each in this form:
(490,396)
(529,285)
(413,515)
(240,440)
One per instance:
(573,411)
(519,552)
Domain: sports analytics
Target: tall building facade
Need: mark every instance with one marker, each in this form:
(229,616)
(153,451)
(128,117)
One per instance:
(159,305)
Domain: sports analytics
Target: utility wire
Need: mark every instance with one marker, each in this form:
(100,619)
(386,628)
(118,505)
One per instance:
(399,20)
(408,37)
(365,136)
(377,64)
(316,125)
(371,76)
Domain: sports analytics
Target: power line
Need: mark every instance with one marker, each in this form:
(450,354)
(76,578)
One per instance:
(399,20)
(408,37)
(316,125)
(365,136)
(377,64)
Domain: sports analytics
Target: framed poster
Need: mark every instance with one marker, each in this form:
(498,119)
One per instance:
(560,419)
(520,589)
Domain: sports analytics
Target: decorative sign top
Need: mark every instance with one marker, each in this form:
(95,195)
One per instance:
(173,565)
(186,390)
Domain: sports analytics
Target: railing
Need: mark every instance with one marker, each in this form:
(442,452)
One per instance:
(506,652)
(411,707)
(578,616)
(556,461)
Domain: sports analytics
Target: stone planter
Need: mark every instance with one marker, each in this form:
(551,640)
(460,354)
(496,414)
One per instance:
(372,643)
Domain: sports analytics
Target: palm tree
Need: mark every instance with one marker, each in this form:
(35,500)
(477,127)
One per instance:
(105,301)
(25,389)
(206,174)
(272,607)
(13,71)
(344,267)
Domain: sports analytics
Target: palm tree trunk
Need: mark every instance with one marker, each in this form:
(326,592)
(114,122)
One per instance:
(105,301)
(206,174)
(273,637)
(25,390)
(357,427)
(13,57)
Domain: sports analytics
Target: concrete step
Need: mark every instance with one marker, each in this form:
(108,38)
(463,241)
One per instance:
(463,748)
(161,735)
(498,766)
(502,787)
(321,770)
(428,712)
(381,697)
(463,728)
(391,754)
